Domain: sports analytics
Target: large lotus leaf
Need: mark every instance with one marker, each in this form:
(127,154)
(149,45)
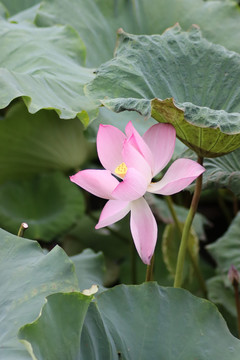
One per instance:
(223,172)
(34,143)
(90,268)
(221,293)
(226,249)
(178,78)
(63,316)
(51,75)
(48,203)
(59,339)
(143,322)
(27,277)
(95,342)
(219,21)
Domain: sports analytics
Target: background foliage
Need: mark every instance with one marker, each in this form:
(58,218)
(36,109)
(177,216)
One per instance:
(59,62)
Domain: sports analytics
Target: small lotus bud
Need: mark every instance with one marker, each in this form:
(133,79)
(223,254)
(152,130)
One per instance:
(233,275)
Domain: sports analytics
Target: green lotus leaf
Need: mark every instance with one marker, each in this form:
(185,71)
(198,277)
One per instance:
(226,249)
(95,342)
(34,143)
(52,73)
(48,203)
(27,277)
(64,344)
(178,78)
(220,291)
(219,21)
(139,322)
(223,172)
(90,268)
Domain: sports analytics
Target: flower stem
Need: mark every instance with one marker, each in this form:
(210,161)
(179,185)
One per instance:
(149,272)
(192,259)
(133,263)
(173,213)
(186,230)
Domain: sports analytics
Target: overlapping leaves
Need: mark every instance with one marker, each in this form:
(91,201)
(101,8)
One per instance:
(223,172)
(179,78)
(27,277)
(44,66)
(225,252)
(218,20)
(133,322)
(62,75)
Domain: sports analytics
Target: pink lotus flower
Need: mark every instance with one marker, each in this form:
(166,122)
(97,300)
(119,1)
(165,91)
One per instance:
(135,160)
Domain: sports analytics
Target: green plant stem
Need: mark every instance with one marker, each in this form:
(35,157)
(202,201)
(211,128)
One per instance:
(133,263)
(192,258)
(173,213)
(186,230)
(237,301)
(149,272)
(22,229)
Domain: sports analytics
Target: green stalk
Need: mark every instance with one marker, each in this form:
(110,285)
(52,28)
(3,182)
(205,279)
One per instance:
(133,263)
(149,272)
(186,230)
(173,213)
(192,258)
(22,229)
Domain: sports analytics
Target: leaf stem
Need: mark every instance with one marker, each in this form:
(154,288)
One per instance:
(149,272)
(186,229)
(192,258)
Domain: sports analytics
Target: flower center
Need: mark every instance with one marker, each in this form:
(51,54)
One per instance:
(121,170)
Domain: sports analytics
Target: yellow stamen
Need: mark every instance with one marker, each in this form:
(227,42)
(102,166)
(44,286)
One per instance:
(121,170)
